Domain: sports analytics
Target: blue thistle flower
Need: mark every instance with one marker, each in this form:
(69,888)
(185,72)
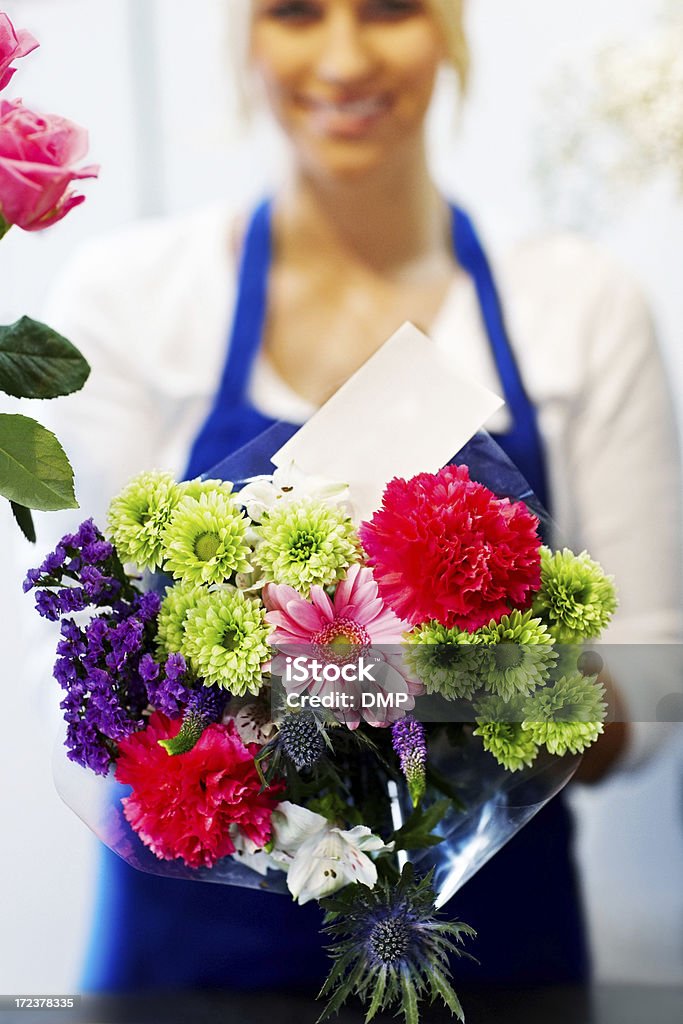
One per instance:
(391,948)
(302,739)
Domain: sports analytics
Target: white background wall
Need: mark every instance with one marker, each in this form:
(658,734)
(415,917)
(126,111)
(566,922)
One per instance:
(150,79)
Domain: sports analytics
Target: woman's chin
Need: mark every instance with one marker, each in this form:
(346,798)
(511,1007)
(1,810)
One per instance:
(343,162)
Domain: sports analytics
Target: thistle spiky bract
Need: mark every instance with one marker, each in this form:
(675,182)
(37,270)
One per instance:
(391,948)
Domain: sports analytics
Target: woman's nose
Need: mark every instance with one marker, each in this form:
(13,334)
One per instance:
(346,55)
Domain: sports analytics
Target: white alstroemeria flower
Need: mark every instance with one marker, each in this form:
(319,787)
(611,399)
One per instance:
(287,484)
(332,859)
(292,826)
(247,853)
(319,858)
(253,721)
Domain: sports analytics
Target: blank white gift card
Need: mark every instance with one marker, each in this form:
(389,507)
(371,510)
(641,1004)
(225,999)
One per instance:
(407,410)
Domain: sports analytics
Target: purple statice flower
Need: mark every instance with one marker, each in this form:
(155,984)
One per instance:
(97,637)
(48,605)
(167,689)
(97,551)
(86,747)
(104,709)
(66,672)
(95,583)
(87,533)
(104,666)
(84,567)
(54,561)
(32,580)
(72,644)
(175,666)
(126,640)
(149,669)
(408,739)
(72,599)
(148,607)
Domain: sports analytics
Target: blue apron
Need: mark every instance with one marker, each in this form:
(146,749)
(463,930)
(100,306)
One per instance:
(159,933)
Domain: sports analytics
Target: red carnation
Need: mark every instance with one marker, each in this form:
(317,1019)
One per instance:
(183,805)
(444,547)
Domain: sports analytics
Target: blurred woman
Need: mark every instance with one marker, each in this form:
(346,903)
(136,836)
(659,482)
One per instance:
(202,332)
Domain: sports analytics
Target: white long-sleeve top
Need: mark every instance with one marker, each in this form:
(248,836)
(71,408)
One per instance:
(151,309)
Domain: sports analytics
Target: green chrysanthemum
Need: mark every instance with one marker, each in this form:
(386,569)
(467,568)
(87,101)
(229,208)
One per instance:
(226,641)
(444,660)
(517,654)
(178,601)
(504,734)
(568,716)
(206,540)
(138,517)
(576,599)
(195,488)
(306,543)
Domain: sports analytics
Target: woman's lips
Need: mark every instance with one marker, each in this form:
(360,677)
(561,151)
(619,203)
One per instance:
(346,118)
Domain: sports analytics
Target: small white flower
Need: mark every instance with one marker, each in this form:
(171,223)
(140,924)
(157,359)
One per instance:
(318,857)
(247,853)
(253,720)
(288,484)
(292,826)
(332,859)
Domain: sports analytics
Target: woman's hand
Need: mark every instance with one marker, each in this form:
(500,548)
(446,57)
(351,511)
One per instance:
(603,755)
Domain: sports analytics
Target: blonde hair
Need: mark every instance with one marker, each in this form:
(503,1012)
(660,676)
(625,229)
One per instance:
(450,15)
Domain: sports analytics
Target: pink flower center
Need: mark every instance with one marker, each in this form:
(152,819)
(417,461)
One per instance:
(341,641)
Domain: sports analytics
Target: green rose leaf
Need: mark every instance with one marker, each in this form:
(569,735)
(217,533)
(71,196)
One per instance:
(34,470)
(24,521)
(36,362)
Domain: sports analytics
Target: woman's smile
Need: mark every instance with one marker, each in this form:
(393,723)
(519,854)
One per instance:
(346,116)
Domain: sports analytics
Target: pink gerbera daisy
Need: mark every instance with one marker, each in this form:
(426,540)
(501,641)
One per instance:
(354,623)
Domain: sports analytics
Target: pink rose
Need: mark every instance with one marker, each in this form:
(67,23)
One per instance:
(37,154)
(13,44)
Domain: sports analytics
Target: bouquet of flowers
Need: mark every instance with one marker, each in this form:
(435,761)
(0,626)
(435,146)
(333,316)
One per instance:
(285,693)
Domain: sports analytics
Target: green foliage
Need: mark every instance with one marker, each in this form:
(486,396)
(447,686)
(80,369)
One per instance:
(37,362)
(418,831)
(34,470)
(24,521)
